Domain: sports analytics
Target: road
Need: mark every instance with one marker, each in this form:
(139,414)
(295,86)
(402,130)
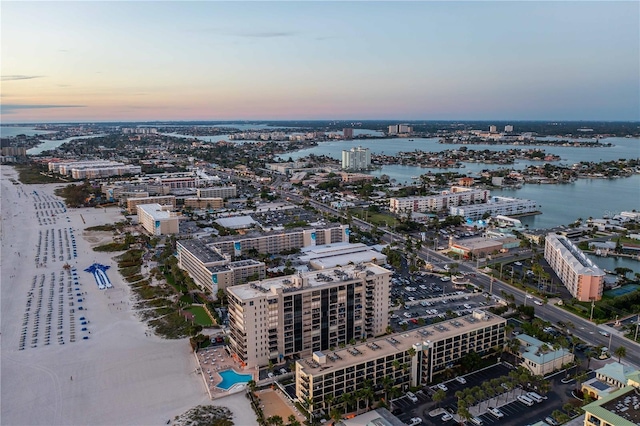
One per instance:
(584,329)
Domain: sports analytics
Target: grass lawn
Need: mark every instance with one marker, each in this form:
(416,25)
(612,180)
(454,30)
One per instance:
(380,219)
(201,316)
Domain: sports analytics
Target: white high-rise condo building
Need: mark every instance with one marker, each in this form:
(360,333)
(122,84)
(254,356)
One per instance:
(508,128)
(578,273)
(356,159)
(294,316)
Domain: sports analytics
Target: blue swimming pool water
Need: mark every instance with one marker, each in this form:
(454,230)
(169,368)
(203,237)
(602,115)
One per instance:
(230,378)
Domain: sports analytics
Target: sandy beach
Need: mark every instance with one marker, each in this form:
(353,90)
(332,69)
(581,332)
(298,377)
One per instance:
(51,374)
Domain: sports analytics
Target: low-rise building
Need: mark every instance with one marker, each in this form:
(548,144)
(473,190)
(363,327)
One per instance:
(458,195)
(401,360)
(166,200)
(212,270)
(541,358)
(619,408)
(273,242)
(609,378)
(583,278)
(229,191)
(496,206)
(204,203)
(157,219)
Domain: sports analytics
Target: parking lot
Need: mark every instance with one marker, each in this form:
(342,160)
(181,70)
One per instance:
(515,412)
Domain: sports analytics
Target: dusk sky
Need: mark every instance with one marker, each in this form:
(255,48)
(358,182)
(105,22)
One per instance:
(133,61)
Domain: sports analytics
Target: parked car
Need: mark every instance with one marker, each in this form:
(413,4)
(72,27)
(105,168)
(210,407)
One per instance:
(443,387)
(415,421)
(550,420)
(496,413)
(446,417)
(412,397)
(461,380)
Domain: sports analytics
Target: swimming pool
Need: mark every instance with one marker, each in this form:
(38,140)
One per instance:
(230,378)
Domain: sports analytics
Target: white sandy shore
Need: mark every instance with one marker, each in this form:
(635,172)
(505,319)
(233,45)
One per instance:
(120,375)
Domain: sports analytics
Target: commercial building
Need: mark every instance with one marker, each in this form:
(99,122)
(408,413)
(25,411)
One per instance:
(476,246)
(619,408)
(505,206)
(273,242)
(541,358)
(165,200)
(508,128)
(401,360)
(609,378)
(294,316)
(357,158)
(204,203)
(157,220)
(212,270)
(582,277)
(217,192)
(457,196)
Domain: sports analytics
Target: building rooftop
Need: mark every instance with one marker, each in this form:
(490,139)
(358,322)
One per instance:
(258,234)
(201,251)
(391,344)
(575,256)
(236,222)
(616,371)
(620,408)
(535,352)
(377,417)
(305,280)
(155,211)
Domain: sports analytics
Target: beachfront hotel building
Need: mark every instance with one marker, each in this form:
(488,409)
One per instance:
(164,200)
(505,206)
(294,316)
(457,196)
(357,158)
(274,242)
(212,270)
(157,220)
(410,358)
(583,278)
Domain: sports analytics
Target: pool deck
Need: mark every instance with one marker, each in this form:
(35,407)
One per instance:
(211,361)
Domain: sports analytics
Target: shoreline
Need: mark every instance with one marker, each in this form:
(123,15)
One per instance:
(120,374)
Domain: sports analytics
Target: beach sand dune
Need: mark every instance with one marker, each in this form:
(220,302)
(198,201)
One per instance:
(119,375)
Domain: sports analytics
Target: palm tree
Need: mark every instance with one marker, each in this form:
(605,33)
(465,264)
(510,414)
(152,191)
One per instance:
(386,384)
(367,395)
(480,396)
(328,399)
(293,421)
(620,352)
(470,400)
(439,396)
(347,399)
(335,414)
(464,413)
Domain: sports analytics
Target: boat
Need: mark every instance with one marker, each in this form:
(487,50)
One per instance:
(415,177)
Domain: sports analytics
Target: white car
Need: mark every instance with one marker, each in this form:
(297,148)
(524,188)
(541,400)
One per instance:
(604,333)
(496,413)
(443,387)
(518,263)
(415,421)
(529,296)
(461,380)
(537,302)
(446,417)
(412,397)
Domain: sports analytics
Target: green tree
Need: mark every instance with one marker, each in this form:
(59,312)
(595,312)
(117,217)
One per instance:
(620,352)
(439,396)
